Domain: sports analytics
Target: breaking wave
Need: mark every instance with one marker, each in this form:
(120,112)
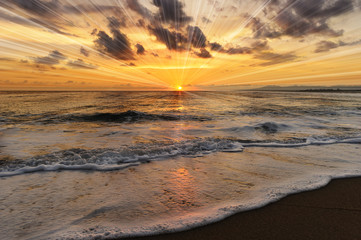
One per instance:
(129,116)
(119,158)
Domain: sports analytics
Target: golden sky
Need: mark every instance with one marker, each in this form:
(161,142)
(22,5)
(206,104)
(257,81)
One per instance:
(163,44)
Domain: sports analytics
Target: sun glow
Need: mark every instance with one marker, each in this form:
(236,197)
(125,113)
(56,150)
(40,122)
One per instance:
(180,88)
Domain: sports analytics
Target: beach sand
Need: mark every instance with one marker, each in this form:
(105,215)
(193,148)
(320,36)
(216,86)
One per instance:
(332,212)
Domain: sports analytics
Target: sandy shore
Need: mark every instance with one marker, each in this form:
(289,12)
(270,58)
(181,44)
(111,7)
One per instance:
(332,212)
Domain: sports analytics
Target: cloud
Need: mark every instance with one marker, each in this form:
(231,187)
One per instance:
(140,9)
(322,8)
(171,11)
(299,18)
(50,13)
(53,58)
(84,52)
(173,40)
(6,59)
(196,37)
(297,26)
(31,21)
(117,46)
(38,7)
(203,54)
(57,55)
(140,23)
(255,47)
(140,49)
(116,23)
(46,60)
(237,50)
(262,30)
(206,20)
(79,63)
(260,46)
(14,18)
(52,8)
(325,46)
(274,58)
(94,32)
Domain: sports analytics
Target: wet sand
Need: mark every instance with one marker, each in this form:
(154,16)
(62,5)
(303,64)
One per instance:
(332,212)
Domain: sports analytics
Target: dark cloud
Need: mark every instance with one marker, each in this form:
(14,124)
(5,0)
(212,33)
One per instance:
(49,14)
(171,11)
(94,32)
(341,43)
(196,37)
(117,46)
(260,46)
(271,58)
(206,20)
(237,50)
(296,26)
(31,21)
(255,47)
(325,46)
(38,7)
(141,23)
(57,55)
(79,63)
(173,40)
(322,8)
(84,52)
(140,9)
(300,18)
(53,58)
(52,8)
(203,54)
(46,60)
(215,46)
(140,49)
(5,59)
(262,30)
(14,18)
(116,23)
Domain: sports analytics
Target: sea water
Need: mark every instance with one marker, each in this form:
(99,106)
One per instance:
(87,165)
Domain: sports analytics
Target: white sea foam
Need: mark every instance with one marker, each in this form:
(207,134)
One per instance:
(264,197)
(117,159)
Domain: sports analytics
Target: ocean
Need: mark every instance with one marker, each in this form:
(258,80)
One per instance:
(102,165)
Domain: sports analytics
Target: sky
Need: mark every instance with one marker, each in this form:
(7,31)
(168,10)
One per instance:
(164,44)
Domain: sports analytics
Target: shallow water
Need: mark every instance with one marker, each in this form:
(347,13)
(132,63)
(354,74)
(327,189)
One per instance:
(111,164)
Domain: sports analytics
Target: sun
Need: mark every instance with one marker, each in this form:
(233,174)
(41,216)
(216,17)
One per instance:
(180,88)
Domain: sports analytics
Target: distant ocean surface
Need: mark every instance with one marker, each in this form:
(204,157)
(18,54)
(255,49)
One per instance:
(99,165)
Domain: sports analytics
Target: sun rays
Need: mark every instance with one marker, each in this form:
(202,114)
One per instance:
(147,45)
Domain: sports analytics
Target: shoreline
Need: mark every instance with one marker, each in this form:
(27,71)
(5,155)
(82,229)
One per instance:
(330,212)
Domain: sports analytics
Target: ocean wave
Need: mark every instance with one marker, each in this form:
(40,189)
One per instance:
(128,117)
(115,159)
(266,127)
(120,158)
